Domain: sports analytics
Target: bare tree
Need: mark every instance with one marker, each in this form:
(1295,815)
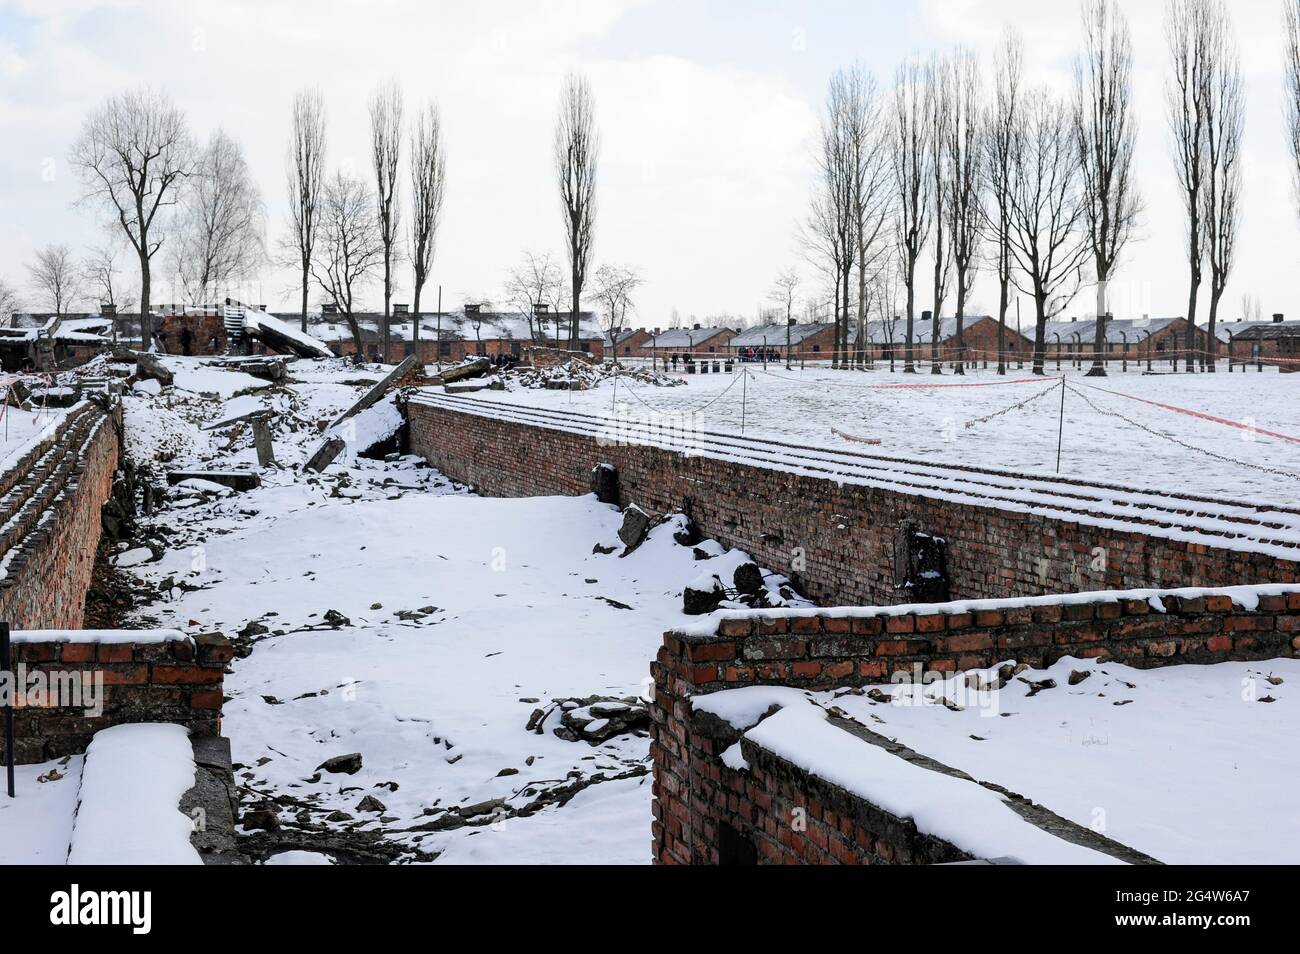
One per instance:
(1047,237)
(221,232)
(1002,122)
(386,108)
(1251,309)
(306,173)
(964,133)
(538,280)
(1225,102)
(133,153)
(9,303)
(938,112)
(1189,32)
(577,149)
(428,181)
(911,167)
(831,229)
(784,292)
(614,287)
(1291,86)
(100,275)
(56,277)
(350,247)
(1105,131)
(871,194)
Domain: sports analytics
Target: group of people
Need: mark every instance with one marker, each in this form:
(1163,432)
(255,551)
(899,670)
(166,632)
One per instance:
(760,354)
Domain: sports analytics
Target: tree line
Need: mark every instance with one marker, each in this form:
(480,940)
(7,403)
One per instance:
(159,191)
(976,169)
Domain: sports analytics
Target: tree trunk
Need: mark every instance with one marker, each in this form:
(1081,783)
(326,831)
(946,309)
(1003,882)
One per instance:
(146,324)
(934,337)
(415,322)
(573,315)
(1002,326)
(305,272)
(1040,331)
(1210,341)
(908,367)
(1191,323)
(388,297)
(961,311)
(1098,369)
(356,337)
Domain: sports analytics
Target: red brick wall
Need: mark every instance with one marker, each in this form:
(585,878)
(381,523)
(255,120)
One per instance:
(203,329)
(694,792)
(51,501)
(845,533)
(178,681)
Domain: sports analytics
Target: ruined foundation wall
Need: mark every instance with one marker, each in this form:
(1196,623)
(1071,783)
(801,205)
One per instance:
(50,510)
(699,801)
(835,540)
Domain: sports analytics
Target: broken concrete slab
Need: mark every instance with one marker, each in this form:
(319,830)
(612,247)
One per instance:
(149,366)
(470,369)
(324,455)
(381,387)
(636,524)
(240,480)
(213,802)
(468,387)
(262,442)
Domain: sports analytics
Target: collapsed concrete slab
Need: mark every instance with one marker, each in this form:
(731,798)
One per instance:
(234,479)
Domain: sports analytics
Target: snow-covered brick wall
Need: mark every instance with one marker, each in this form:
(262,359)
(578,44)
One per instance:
(825,649)
(50,521)
(75,687)
(833,522)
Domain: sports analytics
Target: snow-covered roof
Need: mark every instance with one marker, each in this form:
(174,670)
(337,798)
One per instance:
(455,326)
(686,337)
(774,334)
(1118,330)
(271,330)
(894,330)
(1226,330)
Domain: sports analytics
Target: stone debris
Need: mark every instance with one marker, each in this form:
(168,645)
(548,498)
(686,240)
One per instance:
(604,483)
(349,764)
(703,595)
(597,718)
(636,524)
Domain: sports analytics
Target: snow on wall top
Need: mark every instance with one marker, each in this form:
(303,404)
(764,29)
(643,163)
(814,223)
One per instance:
(1246,597)
(97,635)
(1249,526)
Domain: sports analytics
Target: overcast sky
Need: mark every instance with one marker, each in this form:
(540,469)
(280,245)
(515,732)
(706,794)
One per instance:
(707,112)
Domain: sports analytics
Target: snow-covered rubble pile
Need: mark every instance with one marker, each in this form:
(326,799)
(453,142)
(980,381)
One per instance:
(581,376)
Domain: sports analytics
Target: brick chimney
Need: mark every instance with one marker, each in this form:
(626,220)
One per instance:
(1277,316)
(472,309)
(402,310)
(108,310)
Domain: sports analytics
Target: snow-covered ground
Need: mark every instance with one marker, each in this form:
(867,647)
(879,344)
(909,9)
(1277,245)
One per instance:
(1147,446)
(36,825)
(505,605)
(1189,764)
(20,429)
